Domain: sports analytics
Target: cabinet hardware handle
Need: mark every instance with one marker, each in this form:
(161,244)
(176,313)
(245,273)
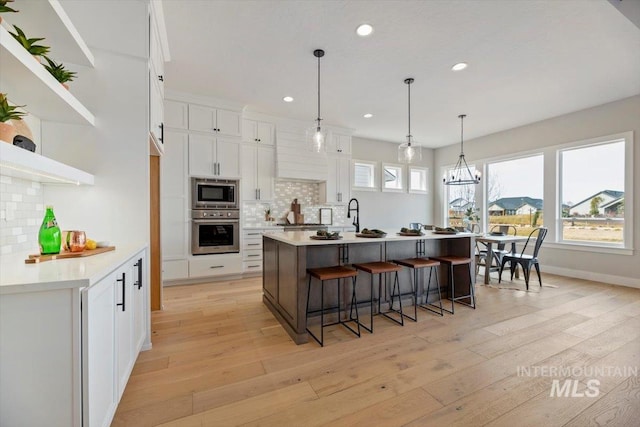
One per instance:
(253,255)
(253,266)
(162,133)
(253,244)
(259,195)
(161,78)
(139,265)
(253,234)
(122,304)
(218,168)
(216,266)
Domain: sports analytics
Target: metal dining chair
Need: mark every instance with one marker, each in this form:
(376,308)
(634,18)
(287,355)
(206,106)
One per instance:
(498,252)
(525,260)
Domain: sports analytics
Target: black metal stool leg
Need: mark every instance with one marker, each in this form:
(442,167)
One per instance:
(427,304)
(396,285)
(451,288)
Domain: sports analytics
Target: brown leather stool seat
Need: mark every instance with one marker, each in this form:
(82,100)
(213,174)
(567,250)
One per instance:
(417,264)
(380,268)
(333,273)
(452,261)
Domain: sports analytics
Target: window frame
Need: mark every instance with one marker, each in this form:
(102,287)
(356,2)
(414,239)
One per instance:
(626,247)
(401,170)
(425,172)
(374,176)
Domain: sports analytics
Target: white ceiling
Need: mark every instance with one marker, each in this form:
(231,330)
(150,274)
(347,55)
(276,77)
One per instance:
(528,61)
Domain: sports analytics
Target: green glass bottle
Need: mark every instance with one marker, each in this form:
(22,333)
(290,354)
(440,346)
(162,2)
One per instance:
(49,237)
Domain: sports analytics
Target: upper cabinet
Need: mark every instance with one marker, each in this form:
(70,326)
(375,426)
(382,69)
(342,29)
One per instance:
(176,114)
(156,85)
(339,144)
(218,121)
(256,131)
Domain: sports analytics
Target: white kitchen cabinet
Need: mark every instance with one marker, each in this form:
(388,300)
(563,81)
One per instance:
(176,114)
(337,187)
(339,144)
(99,348)
(258,132)
(252,250)
(175,269)
(215,120)
(211,156)
(174,197)
(258,172)
(68,360)
(215,265)
(156,86)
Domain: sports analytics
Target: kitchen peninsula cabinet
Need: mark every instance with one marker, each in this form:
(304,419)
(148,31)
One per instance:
(287,255)
(211,156)
(70,333)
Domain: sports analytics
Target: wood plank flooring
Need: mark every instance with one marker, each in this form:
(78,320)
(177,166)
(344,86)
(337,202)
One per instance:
(220,358)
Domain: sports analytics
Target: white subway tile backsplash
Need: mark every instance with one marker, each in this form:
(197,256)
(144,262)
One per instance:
(5,179)
(16,197)
(21,212)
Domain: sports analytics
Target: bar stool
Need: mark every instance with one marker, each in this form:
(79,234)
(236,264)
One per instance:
(416,264)
(333,273)
(451,261)
(380,268)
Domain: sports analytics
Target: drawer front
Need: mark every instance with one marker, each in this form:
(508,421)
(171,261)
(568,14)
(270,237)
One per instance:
(215,266)
(252,254)
(253,234)
(252,266)
(252,244)
(176,269)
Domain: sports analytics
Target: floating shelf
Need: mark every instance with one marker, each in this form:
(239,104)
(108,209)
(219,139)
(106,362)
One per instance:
(28,83)
(47,18)
(20,163)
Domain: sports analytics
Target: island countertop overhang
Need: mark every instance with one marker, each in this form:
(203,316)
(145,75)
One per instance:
(303,238)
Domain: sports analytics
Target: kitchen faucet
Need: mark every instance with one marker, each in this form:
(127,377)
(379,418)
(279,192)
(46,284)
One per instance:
(356,218)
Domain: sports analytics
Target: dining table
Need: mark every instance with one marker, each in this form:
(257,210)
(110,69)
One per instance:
(491,239)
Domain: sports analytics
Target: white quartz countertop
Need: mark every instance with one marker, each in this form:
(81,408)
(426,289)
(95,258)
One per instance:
(18,277)
(303,238)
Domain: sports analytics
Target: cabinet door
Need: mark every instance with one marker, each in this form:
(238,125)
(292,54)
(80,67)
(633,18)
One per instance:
(175,114)
(265,171)
(331,184)
(228,122)
(156,110)
(249,130)
(124,325)
(100,396)
(201,155)
(343,165)
(202,118)
(228,158)
(174,173)
(248,185)
(264,133)
(140,316)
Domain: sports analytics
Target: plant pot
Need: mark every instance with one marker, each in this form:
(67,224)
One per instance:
(7,132)
(64,85)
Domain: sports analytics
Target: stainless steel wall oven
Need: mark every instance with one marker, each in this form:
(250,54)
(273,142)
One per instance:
(215,231)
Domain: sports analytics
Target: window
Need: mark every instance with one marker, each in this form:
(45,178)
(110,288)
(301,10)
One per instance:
(392,177)
(461,199)
(592,193)
(364,175)
(515,193)
(417,180)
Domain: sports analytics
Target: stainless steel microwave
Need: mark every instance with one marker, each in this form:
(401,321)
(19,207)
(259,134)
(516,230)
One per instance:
(214,193)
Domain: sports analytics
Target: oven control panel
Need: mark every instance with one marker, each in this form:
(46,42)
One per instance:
(215,214)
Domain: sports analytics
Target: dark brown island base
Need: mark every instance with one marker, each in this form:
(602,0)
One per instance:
(287,255)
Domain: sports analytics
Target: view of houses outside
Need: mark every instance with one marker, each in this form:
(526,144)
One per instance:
(591,185)
(592,193)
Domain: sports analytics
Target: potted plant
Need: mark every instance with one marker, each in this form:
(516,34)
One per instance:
(30,44)
(4,8)
(8,113)
(58,71)
(471,219)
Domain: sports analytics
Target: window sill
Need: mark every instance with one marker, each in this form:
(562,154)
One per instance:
(590,248)
(364,189)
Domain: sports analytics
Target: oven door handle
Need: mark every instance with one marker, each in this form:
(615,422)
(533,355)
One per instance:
(216,221)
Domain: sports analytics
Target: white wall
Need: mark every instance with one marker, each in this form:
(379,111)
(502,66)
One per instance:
(608,119)
(390,211)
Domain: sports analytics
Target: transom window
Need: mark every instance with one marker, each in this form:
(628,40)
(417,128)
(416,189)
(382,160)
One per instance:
(364,175)
(417,180)
(392,177)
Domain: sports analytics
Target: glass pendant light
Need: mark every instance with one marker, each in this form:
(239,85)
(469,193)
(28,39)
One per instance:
(461,173)
(409,151)
(315,134)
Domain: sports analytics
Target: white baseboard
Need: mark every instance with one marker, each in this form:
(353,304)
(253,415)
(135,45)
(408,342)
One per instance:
(590,275)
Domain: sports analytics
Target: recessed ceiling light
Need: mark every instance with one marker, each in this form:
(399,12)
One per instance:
(368,116)
(459,66)
(364,30)
(287,99)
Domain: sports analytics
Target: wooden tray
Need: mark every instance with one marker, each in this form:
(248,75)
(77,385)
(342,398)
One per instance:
(410,234)
(325,237)
(33,259)
(371,236)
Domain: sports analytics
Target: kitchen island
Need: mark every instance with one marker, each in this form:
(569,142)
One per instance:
(287,255)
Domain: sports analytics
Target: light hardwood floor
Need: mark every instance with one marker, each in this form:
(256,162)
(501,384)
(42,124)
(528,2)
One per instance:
(219,358)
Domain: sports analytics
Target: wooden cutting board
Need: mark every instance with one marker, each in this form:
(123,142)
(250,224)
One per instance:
(33,259)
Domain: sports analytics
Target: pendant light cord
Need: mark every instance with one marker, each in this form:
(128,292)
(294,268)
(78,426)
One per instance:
(318,92)
(409,87)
